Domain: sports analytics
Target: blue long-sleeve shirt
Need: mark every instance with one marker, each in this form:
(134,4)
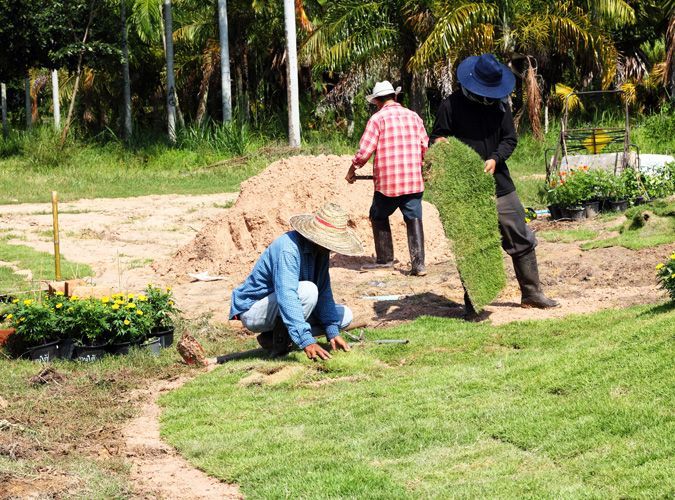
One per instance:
(290,258)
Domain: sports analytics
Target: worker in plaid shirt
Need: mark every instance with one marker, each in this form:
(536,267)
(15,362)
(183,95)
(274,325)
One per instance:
(397,137)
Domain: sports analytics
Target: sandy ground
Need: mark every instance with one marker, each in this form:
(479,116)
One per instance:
(121,238)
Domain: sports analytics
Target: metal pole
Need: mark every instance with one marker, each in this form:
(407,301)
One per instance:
(56,99)
(292,75)
(57,245)
(3,98)
(170,78)
(225,79)
(29,116)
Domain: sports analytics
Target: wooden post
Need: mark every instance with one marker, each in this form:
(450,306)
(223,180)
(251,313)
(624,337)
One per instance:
(292,76)
(56,101)
(29,112)
(57,245)
(225,79)
(3,98)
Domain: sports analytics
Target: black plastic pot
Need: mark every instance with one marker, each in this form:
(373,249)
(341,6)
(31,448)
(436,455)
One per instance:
(153,345)
(574,213)
(164,334)
(592,208)
(555,212)
(121,348)
(66,349)
(44,353)
(640,200)
(618,206)
(89,353)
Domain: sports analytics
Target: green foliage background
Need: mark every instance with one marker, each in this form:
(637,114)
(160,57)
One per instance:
(465,198)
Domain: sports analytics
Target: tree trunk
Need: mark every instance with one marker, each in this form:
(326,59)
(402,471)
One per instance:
(170,81)
(56,100)
(204,92)
(3,100)
(128,127)
(71,107)
(418,94)
(225,79)
(292,75)
(29,109)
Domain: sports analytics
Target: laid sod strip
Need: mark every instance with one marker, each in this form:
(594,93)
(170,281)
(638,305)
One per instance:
(465,198)
(41,264)
(579,407)
(638,233)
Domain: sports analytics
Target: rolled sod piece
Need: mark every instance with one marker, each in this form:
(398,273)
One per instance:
(465,198)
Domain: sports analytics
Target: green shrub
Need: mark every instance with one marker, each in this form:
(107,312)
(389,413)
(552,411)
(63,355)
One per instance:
(465,198)
(665,272)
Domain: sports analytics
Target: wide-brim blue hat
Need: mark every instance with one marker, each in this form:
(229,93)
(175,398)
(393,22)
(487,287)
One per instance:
(485,76)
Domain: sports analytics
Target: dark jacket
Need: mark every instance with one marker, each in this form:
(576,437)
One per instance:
(488,130)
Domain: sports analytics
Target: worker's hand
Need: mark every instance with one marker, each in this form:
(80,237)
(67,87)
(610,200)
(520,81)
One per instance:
(490,166)
(315,351)
(351,175)
(440,139)
(339,343)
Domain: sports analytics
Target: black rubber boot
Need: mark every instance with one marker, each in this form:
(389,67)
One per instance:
(276,341)
(416,246)
(384,245)
(527,273)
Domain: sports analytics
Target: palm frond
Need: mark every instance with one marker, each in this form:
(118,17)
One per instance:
(565,94)
(613,12)
(452,25)
(146,18)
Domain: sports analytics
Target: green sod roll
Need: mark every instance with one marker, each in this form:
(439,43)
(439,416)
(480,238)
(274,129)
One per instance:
(465,198)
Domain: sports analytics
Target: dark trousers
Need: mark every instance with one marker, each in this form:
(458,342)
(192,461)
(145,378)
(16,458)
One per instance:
(383,206)
(517,238)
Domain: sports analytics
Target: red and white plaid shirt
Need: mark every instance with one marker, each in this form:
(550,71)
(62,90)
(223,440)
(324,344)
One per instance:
(397,137)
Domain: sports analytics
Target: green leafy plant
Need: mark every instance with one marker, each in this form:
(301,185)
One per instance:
(665,272)
(34,321)
(130,316)
(162,306)
(465,198)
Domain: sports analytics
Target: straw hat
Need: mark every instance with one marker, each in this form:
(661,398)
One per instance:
(381,89)
(327,227)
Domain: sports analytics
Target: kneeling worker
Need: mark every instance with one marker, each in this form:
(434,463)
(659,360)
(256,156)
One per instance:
(288,297)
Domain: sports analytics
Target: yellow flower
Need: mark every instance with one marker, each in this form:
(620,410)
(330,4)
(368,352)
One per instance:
(74,298)
(672,257)
(131,295)
(59,305)
(142,298)
(22,318)
(139,312)
(131,306)
(119,302)
(59,294)
(115,306)
(9,316)
(168,288)
(15,301)
(127,322)
(105,299)
(27,302)
(660,266)
(171,302)
(672,275)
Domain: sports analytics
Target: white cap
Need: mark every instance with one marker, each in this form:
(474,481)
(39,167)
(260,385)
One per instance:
(382,89)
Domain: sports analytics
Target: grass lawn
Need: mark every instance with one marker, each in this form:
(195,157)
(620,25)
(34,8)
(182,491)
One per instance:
(580,407)
(41,265)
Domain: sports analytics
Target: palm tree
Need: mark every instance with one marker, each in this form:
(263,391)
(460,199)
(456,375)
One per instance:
(3,102)
(170,78)
(669,73)
(125,73)
(292,75)
(56,100)
(225,84)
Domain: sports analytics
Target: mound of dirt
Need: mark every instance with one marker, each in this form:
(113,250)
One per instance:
(229,244)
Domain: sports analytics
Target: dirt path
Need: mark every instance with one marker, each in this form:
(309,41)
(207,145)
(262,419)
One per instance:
(157,470)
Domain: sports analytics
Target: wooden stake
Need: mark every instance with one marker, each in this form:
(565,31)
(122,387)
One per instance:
(57,246)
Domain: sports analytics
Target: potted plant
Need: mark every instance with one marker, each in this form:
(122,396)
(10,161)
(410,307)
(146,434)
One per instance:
(665,273)
(162,305)
(35,325)
(130,320)
(616,194)
(570,193)
(5,330)
(90,326)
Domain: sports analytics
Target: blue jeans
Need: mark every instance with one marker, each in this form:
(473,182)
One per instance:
(262,315)
(383,206)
